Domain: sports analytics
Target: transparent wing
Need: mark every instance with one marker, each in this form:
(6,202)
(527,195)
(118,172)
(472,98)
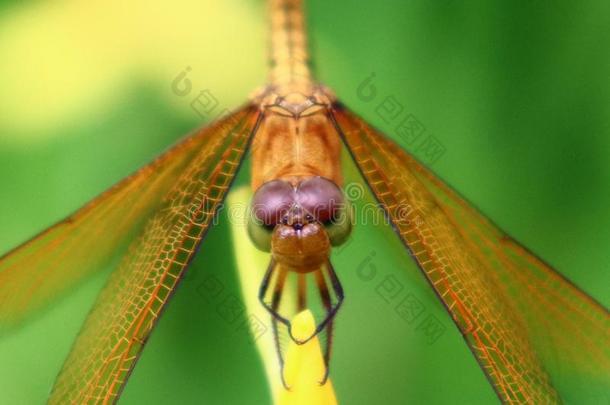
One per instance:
(533,332)
(129,306)
(40,270)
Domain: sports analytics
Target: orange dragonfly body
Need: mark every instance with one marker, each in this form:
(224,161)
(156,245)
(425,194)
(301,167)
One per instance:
(515,312)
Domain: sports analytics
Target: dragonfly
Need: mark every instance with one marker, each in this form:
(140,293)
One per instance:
(521,319)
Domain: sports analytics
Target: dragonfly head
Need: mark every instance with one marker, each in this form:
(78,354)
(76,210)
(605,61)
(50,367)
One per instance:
(299,221)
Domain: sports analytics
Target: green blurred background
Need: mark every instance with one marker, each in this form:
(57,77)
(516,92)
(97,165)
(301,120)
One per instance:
(517,94)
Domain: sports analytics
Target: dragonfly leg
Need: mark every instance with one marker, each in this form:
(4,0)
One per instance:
(278,349)
(302,292)
(275,302)
(327,302)
(328,346)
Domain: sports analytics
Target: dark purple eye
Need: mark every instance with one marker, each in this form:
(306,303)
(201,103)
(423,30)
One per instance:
(272,201)
(320,198)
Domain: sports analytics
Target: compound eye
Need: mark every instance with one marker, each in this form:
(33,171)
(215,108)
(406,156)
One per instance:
(260,234)
(340,228)
(320,198)
(272,201)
